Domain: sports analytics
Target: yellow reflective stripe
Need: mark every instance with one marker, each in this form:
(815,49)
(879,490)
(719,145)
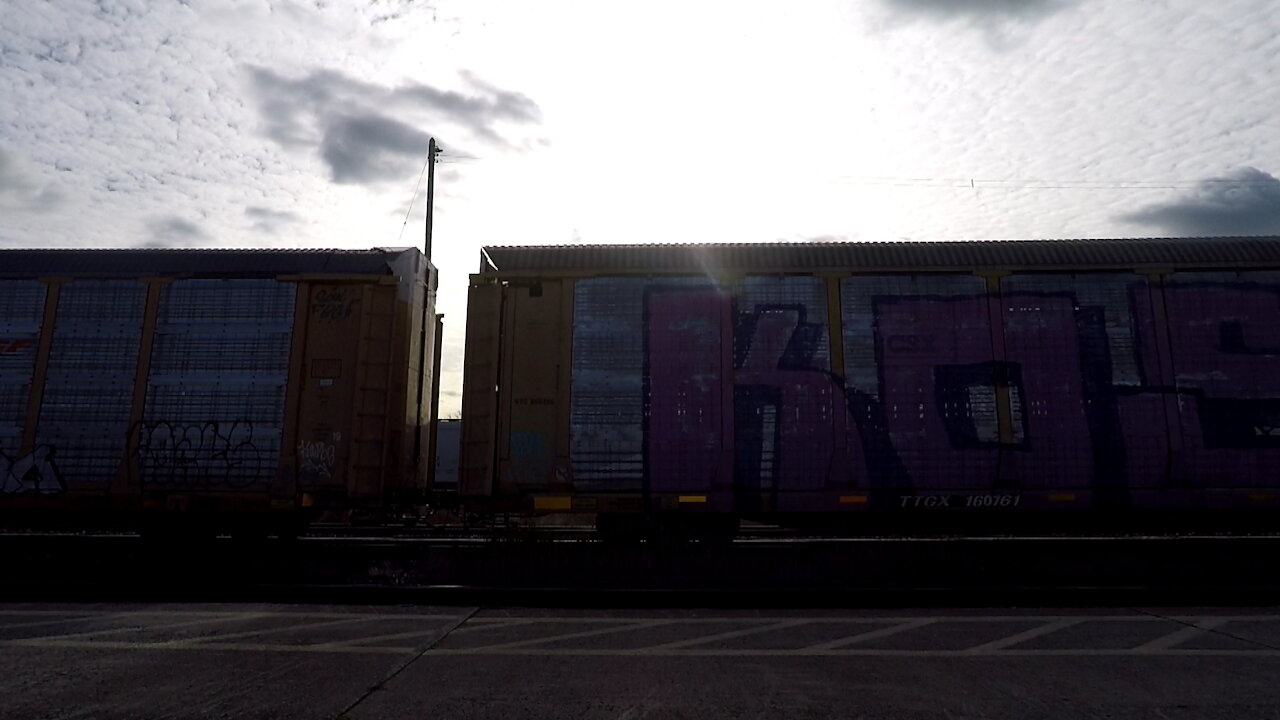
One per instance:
(553,503)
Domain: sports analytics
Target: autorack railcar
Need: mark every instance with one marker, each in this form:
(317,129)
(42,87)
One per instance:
(852,382)
(213,388)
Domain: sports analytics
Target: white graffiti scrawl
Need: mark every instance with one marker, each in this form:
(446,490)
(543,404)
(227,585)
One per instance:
(32,473)
(317,458)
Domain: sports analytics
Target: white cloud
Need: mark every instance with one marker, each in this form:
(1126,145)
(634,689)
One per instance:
(272,122)
(23,188)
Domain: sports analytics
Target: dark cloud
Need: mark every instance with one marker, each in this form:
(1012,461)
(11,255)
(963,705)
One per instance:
(270,221)
(173,230)
(369,148)
(1242,202)
(480,110)
(948,9)
(357,127)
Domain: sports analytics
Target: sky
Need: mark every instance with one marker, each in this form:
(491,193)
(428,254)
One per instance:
(304,123)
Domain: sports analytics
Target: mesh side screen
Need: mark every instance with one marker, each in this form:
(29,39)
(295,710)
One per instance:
(1226,366)
(785,402)
(607,406)
(1112,295)
(84,414)
(920,380)
(21,315)
(607,441)
(215,398)
(686,393)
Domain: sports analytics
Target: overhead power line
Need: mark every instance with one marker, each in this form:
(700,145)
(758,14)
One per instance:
(1038,184)
(413,199)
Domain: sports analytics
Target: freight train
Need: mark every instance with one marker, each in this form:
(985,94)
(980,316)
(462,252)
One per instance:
(669,389)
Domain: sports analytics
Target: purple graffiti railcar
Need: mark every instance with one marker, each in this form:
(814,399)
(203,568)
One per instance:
(868,379)
(210,385)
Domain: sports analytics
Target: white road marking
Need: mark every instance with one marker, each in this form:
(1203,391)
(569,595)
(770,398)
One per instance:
(598,626)
(1177,637)
(360,642)
(39,613)
(639,652)
(854,652)
(203,646)
(144,627)
(220,613)
(722,636)
(1045,629)
(870,619)
(630,625)
(266,631)
(869,635)
(470,627)
(51,621)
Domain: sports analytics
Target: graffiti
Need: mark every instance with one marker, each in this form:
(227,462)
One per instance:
(968,398)
(331,304)
(531,458)
(785,395)
(317,458)
(1102,382)
(35,473)
(199,455)
(685,386)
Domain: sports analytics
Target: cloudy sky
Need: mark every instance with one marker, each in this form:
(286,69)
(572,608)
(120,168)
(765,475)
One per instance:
(292,123)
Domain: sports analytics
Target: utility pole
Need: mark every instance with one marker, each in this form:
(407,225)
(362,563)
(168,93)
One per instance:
(432,151)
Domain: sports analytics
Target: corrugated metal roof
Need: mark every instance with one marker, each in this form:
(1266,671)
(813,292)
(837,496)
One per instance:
(195,263)
(888,256)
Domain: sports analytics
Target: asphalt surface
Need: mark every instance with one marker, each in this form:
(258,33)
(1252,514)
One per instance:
(245,661)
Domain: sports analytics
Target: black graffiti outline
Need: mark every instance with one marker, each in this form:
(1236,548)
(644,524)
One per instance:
(225,454)
(38,463)
(332,304)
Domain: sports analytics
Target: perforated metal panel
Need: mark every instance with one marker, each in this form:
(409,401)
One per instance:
(785,400)
(88,393)
(1225,341)
(921,380)
(215,396)
(685,393)
(607,440)
(1093,418)
(21,315)
(607,406)
(1110,295)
